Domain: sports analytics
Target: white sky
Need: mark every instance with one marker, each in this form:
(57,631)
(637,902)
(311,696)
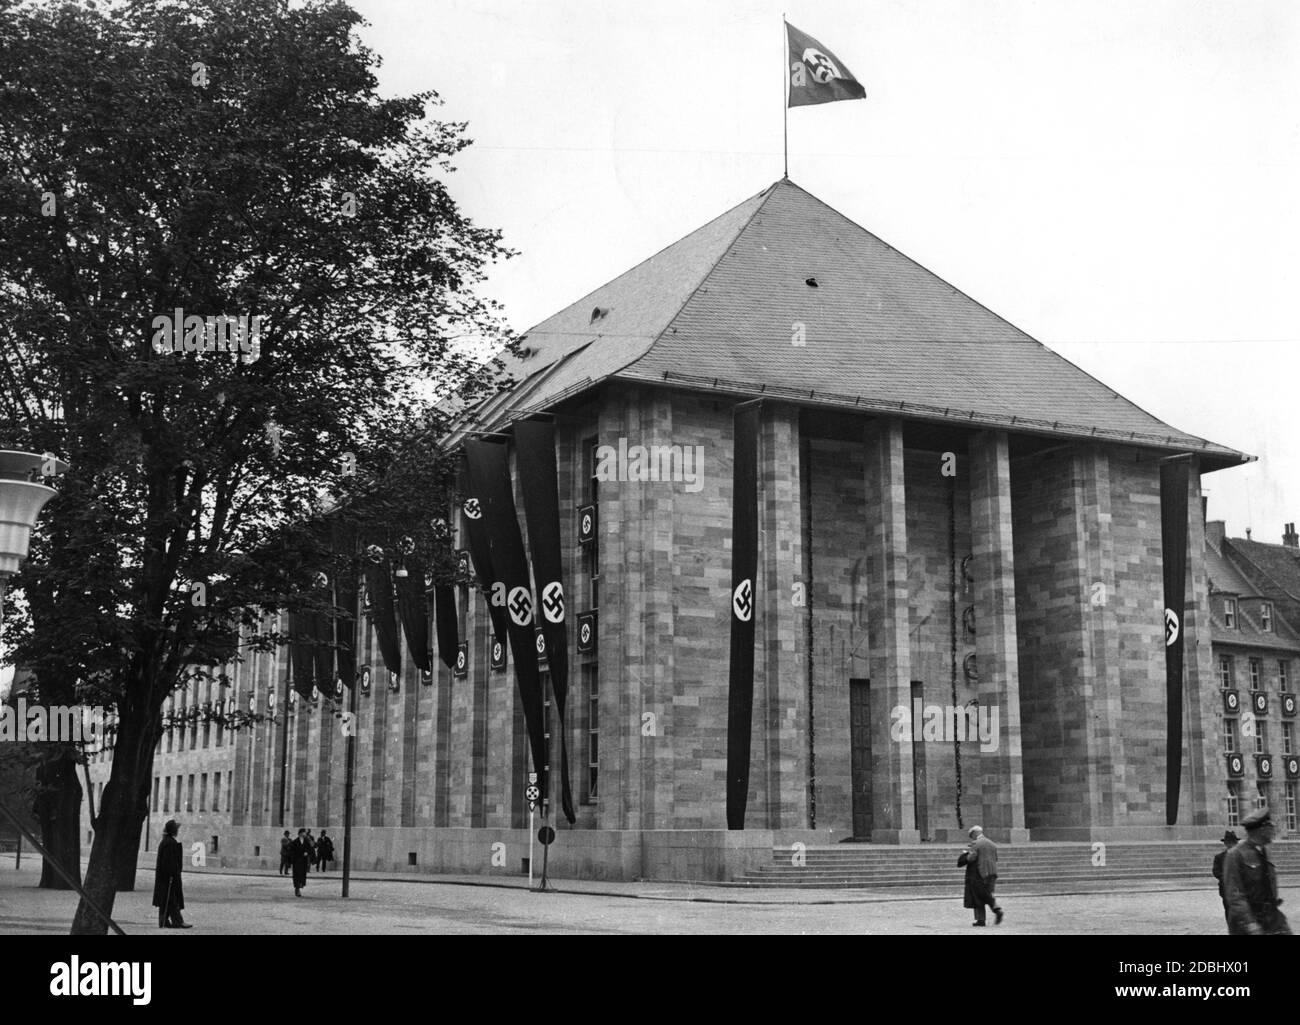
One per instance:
(1117,177)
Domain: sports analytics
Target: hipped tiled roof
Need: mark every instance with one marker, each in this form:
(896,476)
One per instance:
(718,311)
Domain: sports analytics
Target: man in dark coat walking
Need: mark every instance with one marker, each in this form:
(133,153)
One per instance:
(1250,882)
(168,897)
(1229,842)
(300,859)
(981,860)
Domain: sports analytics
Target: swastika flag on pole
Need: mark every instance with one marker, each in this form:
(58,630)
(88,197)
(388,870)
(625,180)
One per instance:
(816,74)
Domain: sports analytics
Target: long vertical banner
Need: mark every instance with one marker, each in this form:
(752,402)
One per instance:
(1174,478)
(345,601)
(302,653)
(379,586)
(538,483)
(489,468)
(448,629)
(414,610)
(479,551)
(744,568)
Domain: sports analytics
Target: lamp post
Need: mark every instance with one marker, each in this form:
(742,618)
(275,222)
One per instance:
(21,501)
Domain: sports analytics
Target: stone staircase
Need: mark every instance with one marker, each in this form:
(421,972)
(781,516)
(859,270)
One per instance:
(852,865)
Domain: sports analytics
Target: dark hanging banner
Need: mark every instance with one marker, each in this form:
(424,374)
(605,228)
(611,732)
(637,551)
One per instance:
(448,628)
(302,651)
(1174,479)
(489,470)
(744,568)
(414,610)
(323,637)
(539,485)
(480,552)
(379,587)
(345,620)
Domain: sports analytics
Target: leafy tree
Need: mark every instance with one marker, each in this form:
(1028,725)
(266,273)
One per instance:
(224,158)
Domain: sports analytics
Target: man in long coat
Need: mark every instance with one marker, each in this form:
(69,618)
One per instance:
(981,860)
(300,859)
(168,896)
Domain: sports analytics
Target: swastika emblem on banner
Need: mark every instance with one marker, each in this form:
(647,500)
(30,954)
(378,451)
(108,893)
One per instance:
(742,601)
(540,644)
(553,602)
(1171,627)
(585,633)
(472,509)
(520,604)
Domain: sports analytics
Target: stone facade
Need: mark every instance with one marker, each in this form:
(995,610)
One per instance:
(903,567)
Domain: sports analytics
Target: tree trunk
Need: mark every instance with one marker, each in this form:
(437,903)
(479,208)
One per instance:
(58,810)
(117,833)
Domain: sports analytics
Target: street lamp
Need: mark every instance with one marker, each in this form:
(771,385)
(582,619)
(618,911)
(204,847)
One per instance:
(21,502)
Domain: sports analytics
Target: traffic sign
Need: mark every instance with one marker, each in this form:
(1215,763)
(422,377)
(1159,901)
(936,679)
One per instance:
(546,836)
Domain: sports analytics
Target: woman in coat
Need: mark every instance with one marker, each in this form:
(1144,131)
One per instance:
(168,897)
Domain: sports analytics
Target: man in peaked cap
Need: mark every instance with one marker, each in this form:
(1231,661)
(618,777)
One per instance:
(1250,882)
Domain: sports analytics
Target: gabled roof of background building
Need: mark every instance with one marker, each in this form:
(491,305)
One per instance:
(1224,579)
(1279,565)
(718,309)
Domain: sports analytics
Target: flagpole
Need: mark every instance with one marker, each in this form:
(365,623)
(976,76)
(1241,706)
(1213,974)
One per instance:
(785,101)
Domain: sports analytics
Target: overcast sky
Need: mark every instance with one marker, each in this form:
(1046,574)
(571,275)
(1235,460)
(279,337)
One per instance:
(1119,178)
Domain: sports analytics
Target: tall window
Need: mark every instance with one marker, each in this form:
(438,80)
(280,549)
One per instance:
(1291,796)
(1283,678)
(1288,738)
(171,734)
(216,791)
(167,793)
(1256,671)
(1234,802)
(189,794)
(1229,735)
(1230,613)
(1261,795)
(1261,737)
(1225,670)
(1266,617)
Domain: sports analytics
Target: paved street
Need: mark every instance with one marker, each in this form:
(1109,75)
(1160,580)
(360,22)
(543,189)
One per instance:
(264,904)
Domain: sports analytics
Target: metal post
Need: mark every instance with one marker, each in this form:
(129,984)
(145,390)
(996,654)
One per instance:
(58,869)
(530,846)
(349,760)
(18,855)
(785,101)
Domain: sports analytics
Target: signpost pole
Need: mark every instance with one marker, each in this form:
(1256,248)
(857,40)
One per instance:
(530,848)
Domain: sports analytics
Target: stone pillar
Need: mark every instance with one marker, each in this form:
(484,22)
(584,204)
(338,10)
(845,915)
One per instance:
(892,799)
(1204,789)
(1001,769)
(780,684)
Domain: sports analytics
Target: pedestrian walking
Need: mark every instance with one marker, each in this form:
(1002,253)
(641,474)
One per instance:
(1250,882)
(168,896)
(314,856)
(325,850)
(1229,841)
(981,861)
(286,842)
(300,859)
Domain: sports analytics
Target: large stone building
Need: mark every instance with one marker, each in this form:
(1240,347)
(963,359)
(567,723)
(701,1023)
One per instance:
(951,515)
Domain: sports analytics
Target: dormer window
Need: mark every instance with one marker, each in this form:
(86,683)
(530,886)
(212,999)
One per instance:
(1230,613)
(1266,617)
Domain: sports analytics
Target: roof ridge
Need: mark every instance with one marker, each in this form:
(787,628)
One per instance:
(998,316)
(767,194)
(654,255)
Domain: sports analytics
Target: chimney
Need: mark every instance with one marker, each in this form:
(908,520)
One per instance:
(1291,539)
(1214,533)
(1247,533)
